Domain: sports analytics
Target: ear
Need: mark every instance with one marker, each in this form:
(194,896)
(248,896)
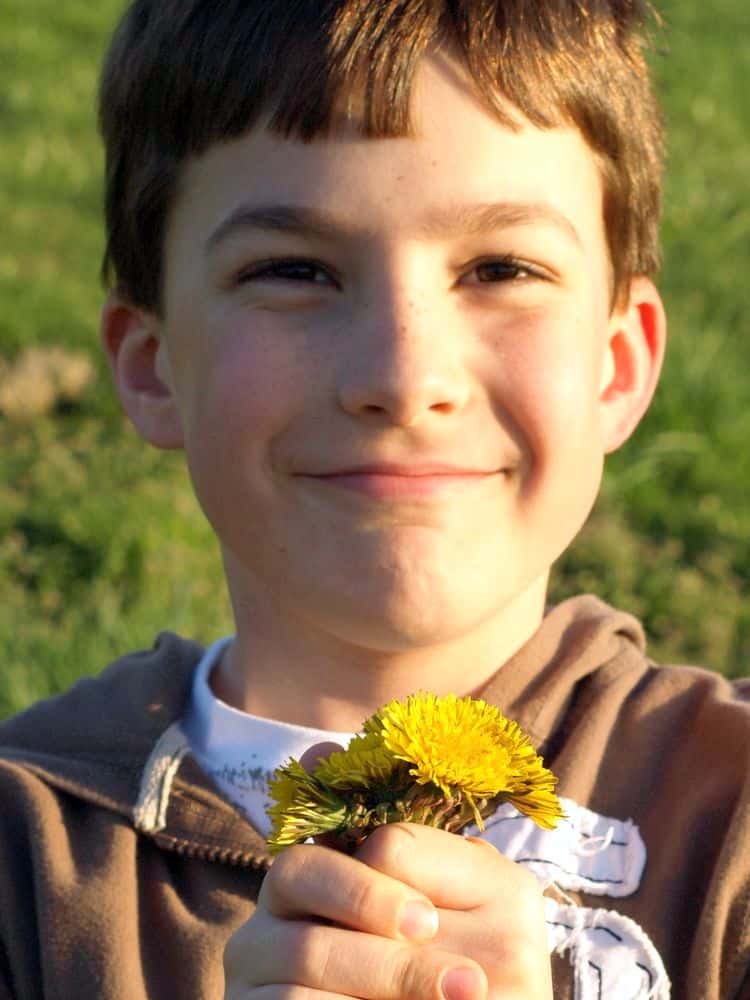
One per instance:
(635,351)
(137,355)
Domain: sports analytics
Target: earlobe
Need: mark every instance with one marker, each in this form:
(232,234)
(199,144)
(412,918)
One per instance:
(137,357)
(632,365)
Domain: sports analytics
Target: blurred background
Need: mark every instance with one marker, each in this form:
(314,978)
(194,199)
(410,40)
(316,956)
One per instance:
(101,543)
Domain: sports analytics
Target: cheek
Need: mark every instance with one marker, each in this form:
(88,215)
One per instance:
(547,382)
(251,384)
(567,395)
(246,387)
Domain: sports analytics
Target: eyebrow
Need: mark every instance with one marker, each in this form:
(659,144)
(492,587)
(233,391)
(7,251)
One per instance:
(444,223)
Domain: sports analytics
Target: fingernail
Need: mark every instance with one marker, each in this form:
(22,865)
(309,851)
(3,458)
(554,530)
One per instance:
(419,920)
(462,984)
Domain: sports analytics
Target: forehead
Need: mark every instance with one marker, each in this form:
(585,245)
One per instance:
(459,154)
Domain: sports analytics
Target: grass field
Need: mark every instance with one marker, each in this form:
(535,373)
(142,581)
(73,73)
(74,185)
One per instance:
(101,545)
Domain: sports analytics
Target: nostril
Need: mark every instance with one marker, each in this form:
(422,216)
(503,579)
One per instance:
(403,397)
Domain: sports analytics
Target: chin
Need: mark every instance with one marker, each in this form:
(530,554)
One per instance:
(397,621)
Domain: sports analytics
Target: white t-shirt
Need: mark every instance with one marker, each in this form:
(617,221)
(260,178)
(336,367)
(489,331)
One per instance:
(240,751)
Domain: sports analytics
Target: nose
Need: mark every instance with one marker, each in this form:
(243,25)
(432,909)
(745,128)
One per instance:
(403,365)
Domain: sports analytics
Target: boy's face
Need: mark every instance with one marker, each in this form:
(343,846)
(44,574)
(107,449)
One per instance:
(394,397)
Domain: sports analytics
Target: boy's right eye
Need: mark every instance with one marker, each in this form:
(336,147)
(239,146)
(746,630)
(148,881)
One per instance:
(292,270)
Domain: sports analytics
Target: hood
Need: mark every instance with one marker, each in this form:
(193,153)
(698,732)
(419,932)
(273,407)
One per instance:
(577,639)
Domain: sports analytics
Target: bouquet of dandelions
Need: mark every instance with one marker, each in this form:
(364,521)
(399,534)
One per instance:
(442,761)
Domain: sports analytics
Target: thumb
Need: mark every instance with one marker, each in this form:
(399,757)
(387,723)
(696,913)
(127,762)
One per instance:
(316,753)
(310,760)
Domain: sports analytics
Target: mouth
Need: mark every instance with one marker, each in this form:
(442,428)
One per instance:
(406,482)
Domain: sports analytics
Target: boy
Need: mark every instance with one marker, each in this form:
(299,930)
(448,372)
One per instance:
(383,271)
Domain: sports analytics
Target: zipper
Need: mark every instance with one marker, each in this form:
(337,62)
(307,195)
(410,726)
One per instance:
(220,855)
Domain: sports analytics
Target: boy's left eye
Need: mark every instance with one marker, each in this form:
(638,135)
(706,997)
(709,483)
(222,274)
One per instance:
(505,269)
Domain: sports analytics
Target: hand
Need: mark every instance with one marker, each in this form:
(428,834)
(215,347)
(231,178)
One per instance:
(328,925)
(491,910)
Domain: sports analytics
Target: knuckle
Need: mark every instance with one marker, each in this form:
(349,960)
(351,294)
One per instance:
(288,864)
(362,902)
(409,973)
(285,876)
(310,955)
(384,848)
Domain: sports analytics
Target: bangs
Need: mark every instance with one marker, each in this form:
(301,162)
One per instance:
(305,64)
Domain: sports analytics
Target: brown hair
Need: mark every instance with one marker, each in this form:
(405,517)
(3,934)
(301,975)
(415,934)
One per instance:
(182,75)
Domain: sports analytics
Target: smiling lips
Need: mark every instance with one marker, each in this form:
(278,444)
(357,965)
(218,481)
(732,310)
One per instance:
(397,482)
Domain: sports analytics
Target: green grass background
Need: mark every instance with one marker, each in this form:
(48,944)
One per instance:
(101,544)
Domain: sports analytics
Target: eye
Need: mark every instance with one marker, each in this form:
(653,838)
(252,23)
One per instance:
(295,271)
(506,268)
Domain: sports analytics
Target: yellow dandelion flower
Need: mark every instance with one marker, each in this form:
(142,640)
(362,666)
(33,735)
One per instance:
(442,761)
(465,745)
(534,794)
(452,742)
(303,808)
(284,785)
(365,762)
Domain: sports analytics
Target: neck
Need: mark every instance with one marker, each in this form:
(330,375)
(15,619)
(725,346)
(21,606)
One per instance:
(282,667)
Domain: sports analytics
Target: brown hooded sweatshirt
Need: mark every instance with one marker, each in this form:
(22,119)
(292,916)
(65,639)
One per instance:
(123,871)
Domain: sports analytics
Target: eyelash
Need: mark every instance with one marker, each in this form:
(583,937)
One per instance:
(519,270)
(514,270)
(272,268)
